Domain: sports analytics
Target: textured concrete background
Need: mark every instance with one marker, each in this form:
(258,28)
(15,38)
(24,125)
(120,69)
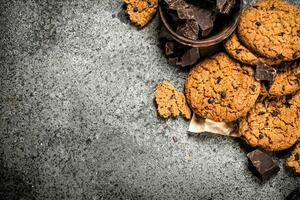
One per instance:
(77,118)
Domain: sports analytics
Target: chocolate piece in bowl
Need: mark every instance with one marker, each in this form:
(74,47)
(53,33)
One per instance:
(190,29)
(205,19)
(176,4)
(186,13)
(262,165)
(216,19)
(224,6)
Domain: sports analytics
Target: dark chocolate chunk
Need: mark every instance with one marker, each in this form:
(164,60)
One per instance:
(294,195)
(205,19)
(176,4)
(172,61)
(225,6)
(265,72)
(261,113)
(211,100)
(189,30)
(262,164)
(186,13)
(169,48)
(190,57)
(173,16)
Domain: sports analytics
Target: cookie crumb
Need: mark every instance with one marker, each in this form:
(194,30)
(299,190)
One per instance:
(141,12)
(170,102)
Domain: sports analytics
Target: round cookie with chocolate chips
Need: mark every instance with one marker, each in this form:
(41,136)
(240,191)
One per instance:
(141,12)
(287,80)
(271,28)
(294,160)
(273,124)
(220,89)
(239,52)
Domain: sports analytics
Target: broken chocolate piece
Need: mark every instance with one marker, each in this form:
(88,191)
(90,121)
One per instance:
(205,19)
(294,195)
(190,57)
(189,30)
(169,48)
(176,4)
(262,164)
(225,6)
(265,72)
(172,61)
(186,13)
(173,16)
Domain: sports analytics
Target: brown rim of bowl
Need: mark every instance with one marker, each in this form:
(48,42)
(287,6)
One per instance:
(215,39)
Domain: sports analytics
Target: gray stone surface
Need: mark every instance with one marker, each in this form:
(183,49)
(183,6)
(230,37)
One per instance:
(77,118)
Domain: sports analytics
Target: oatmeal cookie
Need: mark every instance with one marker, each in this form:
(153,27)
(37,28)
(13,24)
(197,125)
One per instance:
(220,89)
(271,28)
(273,124)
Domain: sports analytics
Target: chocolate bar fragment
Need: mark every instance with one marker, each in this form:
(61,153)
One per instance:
(265,72)
(169,48)
(294,195)
(176,4)
(224,6)
(186,13)
(189,30)
(262,165)
(172,61)
(205,19)
(180,55)
(190,57)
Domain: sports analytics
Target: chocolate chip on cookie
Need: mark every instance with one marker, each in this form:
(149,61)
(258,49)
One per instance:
(140,12)
(170,102)
(261,26)
(279,124)
(218,89)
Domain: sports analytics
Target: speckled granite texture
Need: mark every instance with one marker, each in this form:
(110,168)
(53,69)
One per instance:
(77,118)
